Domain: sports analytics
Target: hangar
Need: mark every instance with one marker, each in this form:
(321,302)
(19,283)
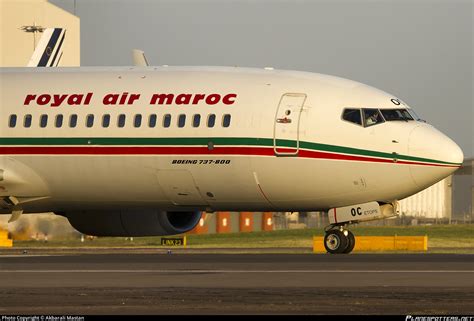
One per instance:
(448,201)
(22,25)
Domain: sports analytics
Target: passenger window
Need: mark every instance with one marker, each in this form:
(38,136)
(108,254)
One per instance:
(181,120)
(27,121)
(43,121)
(226,120)
(372,117)
(59,121)
(166,120)
(138,121)
(90,120)
(353,116)
(106,120)
(73,121)
(152,121)
(12,122)
(121,121)
(196,120)
(211,120)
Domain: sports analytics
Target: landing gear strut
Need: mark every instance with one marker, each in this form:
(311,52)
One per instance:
(338,240)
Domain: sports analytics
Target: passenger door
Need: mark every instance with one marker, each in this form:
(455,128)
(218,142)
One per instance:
(286,128)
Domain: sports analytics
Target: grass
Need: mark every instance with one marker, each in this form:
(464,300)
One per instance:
(441,238)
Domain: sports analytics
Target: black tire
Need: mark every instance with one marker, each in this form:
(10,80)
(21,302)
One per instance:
(351,240)
(335,242)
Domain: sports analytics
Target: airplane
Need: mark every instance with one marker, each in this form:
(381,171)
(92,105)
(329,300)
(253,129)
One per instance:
(141,151)
(49,51)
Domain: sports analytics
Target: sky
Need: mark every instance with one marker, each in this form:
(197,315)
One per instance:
(420,50)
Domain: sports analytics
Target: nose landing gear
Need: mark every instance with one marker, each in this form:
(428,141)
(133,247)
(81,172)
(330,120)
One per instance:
(338,240)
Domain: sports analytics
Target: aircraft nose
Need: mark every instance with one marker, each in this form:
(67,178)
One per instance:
(439,156)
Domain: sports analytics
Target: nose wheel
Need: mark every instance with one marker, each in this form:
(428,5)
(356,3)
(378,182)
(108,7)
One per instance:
(339,241)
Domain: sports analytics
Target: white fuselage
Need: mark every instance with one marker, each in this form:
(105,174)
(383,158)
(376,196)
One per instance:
(286,146)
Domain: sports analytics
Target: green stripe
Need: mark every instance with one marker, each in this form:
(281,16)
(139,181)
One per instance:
(136,141)
(364,152)
(203,141)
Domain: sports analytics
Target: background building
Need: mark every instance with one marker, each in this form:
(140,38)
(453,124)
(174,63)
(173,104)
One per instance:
(433,203)
(449,201)
(20,25)
(463,193)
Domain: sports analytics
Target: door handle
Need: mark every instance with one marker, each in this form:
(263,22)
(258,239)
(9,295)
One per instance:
(283,120)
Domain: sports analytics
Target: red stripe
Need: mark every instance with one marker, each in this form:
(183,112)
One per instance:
(326,155)
(335,217)
(173,150)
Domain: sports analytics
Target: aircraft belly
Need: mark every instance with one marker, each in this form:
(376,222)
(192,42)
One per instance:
(257,182)
(98,178)
(293,182)
(164,181)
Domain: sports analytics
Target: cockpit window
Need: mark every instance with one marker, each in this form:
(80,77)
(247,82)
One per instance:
(396,114)
(415,115)
(352,115)
(372,117)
